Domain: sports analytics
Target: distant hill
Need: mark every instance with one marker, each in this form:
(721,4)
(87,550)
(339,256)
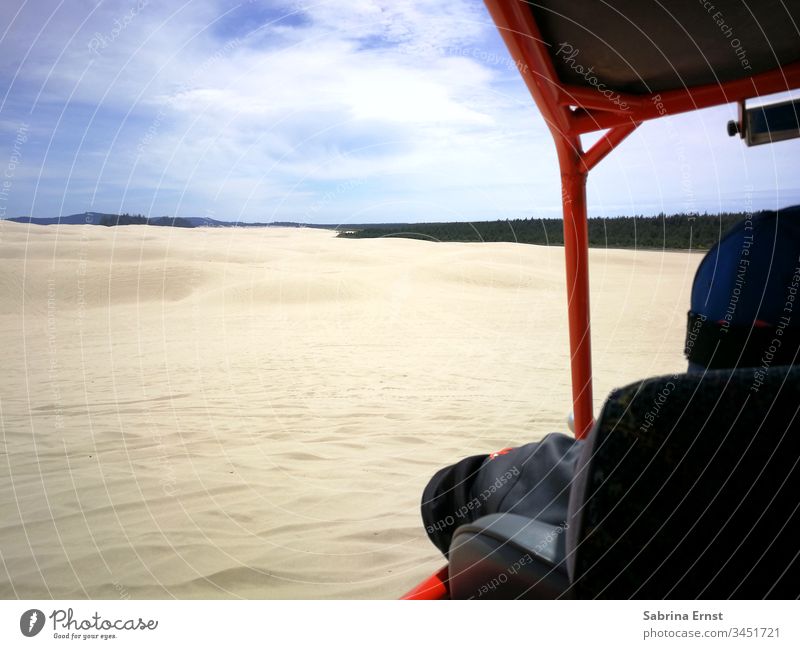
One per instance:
(100,218)
(92,218)
(671,232)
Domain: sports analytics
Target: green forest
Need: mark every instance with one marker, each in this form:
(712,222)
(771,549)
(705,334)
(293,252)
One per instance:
(672,232)
(110,220)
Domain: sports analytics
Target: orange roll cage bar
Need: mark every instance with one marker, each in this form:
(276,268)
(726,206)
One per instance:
(573,110)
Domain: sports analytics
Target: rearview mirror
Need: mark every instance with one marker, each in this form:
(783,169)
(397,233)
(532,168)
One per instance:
(770,123)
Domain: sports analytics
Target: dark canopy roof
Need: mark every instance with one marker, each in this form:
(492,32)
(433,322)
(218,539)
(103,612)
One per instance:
(647,46)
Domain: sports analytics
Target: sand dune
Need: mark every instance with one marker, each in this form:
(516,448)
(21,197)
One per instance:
(254,413)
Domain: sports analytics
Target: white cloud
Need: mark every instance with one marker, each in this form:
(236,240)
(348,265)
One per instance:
(179,105)
(265,109)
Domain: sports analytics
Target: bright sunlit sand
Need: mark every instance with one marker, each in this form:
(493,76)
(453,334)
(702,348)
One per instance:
(254,413)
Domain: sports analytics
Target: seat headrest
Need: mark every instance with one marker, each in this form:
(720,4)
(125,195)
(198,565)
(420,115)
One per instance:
(685,488)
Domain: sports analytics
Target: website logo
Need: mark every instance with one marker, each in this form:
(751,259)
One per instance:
(31,622)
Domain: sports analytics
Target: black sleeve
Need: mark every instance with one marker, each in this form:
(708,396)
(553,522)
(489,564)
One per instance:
(531,480)
(444,497)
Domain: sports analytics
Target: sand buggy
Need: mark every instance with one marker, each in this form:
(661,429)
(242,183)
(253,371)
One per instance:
(704,502)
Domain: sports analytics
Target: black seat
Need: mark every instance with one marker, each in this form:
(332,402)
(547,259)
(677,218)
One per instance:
(688,487)
(506,556)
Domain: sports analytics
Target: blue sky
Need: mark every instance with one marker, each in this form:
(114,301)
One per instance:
(326,112)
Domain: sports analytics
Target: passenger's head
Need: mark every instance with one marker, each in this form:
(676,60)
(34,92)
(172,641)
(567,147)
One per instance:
(745,309)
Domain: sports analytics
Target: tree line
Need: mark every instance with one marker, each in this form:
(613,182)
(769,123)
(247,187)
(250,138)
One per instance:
(675,231)
(110,220)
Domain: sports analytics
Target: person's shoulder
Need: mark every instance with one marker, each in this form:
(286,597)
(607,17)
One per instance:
(555,444)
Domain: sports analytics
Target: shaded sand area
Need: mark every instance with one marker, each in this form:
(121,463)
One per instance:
(254,413)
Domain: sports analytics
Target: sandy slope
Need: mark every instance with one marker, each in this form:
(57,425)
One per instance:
(254,413)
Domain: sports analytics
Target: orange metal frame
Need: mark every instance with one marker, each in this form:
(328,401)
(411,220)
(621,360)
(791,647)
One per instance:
(434,587)
(571,111)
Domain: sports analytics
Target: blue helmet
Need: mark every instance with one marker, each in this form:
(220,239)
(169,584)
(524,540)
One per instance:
(745,307)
